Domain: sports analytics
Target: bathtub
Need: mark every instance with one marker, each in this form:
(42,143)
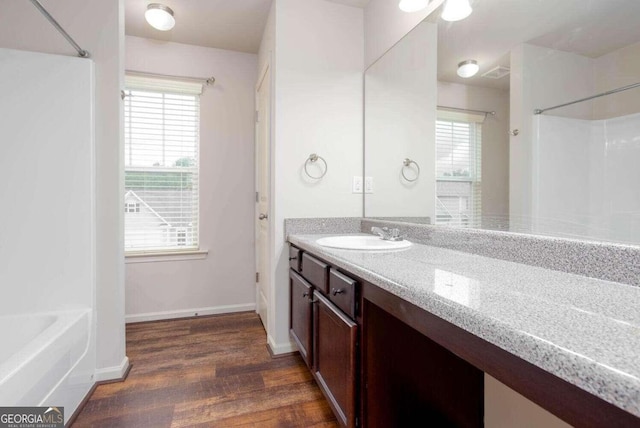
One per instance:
(45,359)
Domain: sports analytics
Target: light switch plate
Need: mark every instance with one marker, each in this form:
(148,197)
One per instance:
(368,185)
(357,184)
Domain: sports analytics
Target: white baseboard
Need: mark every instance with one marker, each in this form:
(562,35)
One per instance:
(185,313)
(281,348)
(112,373)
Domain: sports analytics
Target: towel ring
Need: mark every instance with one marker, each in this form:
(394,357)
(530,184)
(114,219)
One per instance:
(314,158)
(406,163)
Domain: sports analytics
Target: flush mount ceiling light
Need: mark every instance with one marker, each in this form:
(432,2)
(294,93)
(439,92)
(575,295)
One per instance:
(412,5)
(468,68)
(160,17)
(456,10)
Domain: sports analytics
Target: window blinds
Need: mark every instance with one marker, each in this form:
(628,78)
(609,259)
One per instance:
(458,170)
(161,203)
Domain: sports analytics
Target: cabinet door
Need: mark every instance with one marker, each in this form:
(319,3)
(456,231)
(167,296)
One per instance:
(301,315)
(335,358)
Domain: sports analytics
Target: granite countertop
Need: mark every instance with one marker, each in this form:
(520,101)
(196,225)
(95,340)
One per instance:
(583,330)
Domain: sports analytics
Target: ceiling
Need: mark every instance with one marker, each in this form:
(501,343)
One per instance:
(586,27)
(235,25)
(225,24)
(355,3)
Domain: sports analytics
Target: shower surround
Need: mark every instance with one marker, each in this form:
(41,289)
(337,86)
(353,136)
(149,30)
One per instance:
(47,230)
(585,178)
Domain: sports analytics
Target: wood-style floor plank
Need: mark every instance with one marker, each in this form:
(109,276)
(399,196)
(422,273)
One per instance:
(207,372)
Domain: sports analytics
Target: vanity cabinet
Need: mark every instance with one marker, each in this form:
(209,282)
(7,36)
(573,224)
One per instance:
(323,325)
(301,316)
(335,358)
(382,361)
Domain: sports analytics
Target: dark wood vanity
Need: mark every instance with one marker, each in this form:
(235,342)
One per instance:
(374,370)
(384,362)
(324,326)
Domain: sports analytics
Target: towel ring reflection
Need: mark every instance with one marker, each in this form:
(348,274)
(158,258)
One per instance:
(311,159)
(407,163)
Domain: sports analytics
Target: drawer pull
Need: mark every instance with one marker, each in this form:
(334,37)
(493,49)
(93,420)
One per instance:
(293,258)
(337,291)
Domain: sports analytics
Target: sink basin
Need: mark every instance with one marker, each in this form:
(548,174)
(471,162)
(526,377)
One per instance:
(357,242)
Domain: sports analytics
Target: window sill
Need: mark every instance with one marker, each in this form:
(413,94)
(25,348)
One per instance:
(165,256)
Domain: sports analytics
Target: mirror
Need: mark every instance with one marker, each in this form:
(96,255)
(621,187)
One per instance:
(477,152)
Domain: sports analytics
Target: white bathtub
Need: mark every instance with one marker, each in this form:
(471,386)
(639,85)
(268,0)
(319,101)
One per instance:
(45,359)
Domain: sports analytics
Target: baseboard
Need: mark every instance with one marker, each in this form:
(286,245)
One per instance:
(80,407)
(277,349)
(103,372)
(187,313)
(113,373)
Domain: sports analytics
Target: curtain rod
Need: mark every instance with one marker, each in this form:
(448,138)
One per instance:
(205,80)
(81,52)
(492,113)
(613,91)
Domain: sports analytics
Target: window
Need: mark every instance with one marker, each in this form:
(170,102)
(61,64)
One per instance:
(458,169)
(161,125)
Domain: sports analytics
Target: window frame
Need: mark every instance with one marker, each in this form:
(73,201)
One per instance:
(474,179)
(176,248)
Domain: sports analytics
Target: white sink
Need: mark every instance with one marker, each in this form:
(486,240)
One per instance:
(357,242)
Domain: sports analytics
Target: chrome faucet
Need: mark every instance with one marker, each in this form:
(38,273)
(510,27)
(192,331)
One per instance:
(387,234)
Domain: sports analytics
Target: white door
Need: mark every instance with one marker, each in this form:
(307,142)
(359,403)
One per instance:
(263,136)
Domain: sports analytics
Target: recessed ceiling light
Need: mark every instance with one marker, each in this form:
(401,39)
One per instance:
(160,17)
(412,5)
(456,10)
(468,68)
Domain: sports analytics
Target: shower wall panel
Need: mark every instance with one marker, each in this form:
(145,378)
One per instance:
(46,182)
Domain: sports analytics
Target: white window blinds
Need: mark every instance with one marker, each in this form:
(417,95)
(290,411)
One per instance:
(458,170)
(161,165)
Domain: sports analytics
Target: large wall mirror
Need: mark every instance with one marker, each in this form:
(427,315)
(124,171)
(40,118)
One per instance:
(493,150)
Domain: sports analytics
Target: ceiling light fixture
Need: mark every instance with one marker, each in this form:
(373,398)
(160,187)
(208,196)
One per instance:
(412,5)
(468,68)
(160,17)
(456,10)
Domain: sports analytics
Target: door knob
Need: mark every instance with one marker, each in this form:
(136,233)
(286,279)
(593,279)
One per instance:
(263,216)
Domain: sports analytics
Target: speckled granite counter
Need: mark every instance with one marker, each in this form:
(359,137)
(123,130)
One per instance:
(582,330)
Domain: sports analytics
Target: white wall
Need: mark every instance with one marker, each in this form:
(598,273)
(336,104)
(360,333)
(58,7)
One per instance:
(400,118)
(614,70)
(495,139)
(505,408)
(385,24)
(317,90)
(540,78)
(224,280)
(99,28)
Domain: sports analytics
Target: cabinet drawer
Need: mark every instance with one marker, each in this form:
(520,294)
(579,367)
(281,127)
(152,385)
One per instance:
(342,292)
(294,258)
(316,272)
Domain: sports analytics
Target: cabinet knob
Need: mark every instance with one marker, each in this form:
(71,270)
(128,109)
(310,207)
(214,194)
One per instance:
(305,294)
(337,291)
(293,258)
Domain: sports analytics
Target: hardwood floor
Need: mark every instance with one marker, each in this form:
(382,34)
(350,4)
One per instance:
(207,372)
